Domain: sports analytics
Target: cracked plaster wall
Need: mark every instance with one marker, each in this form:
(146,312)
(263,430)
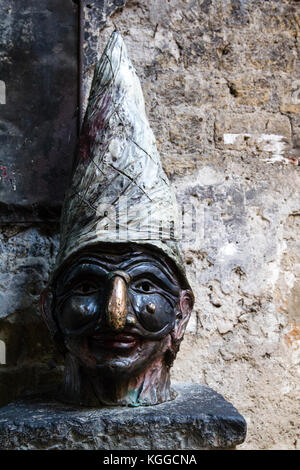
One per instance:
(222,91)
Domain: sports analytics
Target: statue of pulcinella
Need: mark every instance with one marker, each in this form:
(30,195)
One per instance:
(118,301)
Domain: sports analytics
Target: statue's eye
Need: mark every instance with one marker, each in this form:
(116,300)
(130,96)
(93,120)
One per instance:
(86,288)
(144,286)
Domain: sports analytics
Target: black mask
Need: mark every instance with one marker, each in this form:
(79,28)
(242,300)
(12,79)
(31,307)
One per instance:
(83,288)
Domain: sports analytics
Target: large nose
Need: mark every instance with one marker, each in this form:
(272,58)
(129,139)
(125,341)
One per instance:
(116,310)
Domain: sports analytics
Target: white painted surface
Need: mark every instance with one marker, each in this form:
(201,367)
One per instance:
(231,138)
(274,144)
(271,143)
(2,352)
(227,251)
(2,92)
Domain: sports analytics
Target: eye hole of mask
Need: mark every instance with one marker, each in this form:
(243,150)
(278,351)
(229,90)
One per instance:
(153,320)
(85,288)
(144,287)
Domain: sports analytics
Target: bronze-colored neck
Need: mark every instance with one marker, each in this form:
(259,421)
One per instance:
(150,387)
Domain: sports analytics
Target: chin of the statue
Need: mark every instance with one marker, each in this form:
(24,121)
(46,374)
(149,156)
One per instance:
(129,358)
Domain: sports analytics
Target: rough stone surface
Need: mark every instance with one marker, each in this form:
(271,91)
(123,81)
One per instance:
(199,418)
(26,258)
(222,93)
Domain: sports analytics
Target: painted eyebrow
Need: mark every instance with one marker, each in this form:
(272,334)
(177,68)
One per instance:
(159,273)
(95,264)
(78,269)
(144,259)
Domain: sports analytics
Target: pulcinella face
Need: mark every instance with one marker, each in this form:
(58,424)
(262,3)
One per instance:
(148,290)
(119,316)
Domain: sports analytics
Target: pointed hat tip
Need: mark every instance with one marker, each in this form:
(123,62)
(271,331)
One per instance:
(115,38)
(114,44)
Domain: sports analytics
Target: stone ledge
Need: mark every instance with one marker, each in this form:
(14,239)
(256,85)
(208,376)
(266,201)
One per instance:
(199,418)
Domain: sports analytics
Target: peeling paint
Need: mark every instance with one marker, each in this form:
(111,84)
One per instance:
(3,172)
(271,143)
(274,144)
(231,138)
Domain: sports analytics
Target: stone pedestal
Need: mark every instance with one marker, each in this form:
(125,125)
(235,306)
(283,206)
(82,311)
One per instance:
(199,418)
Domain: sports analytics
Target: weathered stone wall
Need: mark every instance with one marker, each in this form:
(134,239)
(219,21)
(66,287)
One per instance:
(27,356)
(222,89)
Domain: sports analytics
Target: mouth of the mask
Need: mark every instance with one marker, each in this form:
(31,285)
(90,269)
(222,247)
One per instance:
(124,340)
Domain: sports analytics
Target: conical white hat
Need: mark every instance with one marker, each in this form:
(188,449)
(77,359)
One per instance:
(119,192)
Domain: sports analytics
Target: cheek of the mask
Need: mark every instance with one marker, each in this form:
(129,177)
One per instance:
(78,312)
(163,315)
